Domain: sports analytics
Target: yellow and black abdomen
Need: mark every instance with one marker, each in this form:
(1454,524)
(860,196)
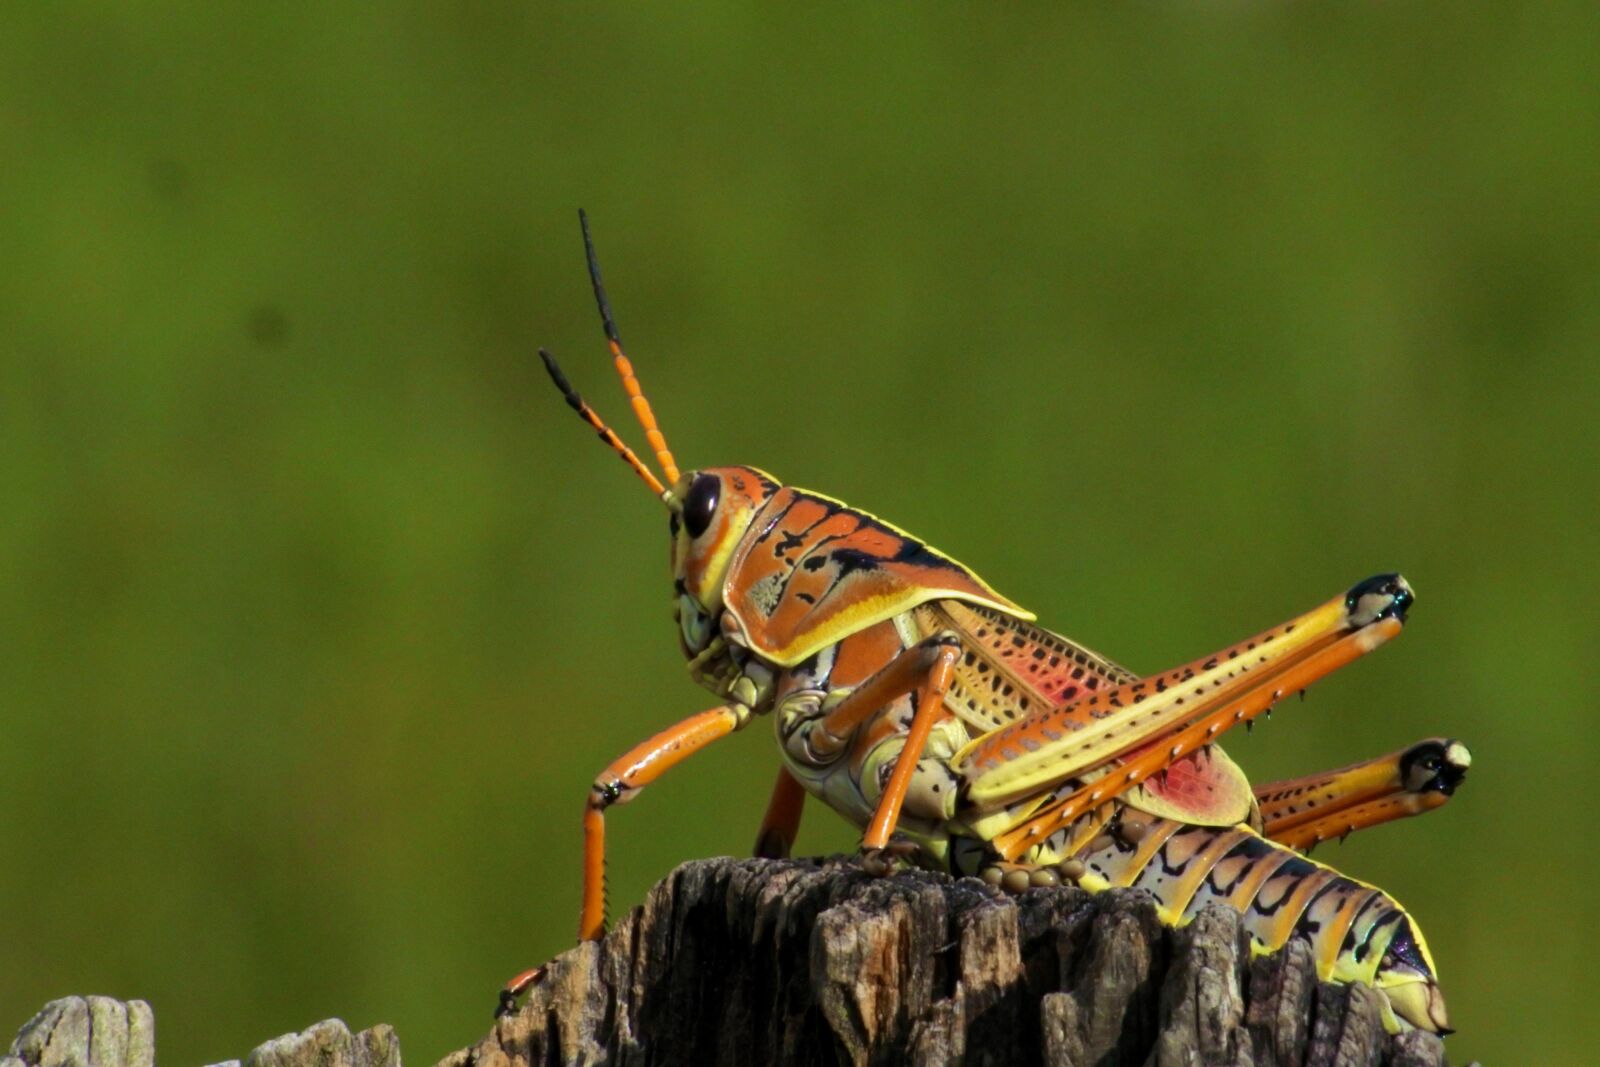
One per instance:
(1357,933)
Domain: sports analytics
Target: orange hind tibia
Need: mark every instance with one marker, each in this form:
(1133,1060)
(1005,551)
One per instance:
(1301,812)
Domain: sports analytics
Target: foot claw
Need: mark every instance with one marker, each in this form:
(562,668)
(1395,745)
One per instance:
(903,848)
(514,989)
(898,855)
(877,862)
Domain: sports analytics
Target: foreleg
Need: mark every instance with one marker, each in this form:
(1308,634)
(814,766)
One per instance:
(621,781)
(618,783)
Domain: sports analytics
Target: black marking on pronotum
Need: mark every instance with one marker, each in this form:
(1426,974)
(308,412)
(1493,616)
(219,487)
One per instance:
(776,522)
(910,551)
(812,562)
(919,554)
(815,559)
(797,538)
(790,541)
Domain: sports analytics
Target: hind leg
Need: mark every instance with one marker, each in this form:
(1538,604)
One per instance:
(1302,812)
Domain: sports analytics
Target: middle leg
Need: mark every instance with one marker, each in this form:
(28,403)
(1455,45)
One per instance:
(781,823)
(925,668)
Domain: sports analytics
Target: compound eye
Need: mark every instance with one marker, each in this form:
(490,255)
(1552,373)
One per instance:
(701,503)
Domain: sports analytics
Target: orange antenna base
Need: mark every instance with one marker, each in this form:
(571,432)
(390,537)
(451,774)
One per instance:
(607,434)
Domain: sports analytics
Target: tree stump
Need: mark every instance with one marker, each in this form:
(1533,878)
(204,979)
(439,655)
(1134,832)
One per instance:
(800,963)
(806,963)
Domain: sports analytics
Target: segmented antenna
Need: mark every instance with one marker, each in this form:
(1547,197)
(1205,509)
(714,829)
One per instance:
(641,406)
(607,434)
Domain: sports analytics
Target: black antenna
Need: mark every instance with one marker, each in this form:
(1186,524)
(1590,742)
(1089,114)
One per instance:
(594,279)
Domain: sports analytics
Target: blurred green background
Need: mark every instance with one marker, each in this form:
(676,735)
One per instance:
(318,610)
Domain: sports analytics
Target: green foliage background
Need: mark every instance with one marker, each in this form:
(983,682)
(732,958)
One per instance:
(318,611)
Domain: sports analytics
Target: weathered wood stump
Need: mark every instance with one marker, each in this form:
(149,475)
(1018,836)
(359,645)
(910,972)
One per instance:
(86,1032)
(801,963)
(793,962)
(103,1032)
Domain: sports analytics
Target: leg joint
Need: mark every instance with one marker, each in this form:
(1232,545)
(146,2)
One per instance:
(607,791)
(942,646)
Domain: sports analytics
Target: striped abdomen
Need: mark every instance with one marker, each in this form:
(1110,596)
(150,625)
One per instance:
(1357,933)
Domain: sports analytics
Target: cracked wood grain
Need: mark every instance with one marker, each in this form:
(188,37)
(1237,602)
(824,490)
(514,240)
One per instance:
(801,963)
(806,963)
(103,1032)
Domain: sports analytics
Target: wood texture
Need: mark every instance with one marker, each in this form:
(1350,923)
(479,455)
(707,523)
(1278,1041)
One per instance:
(807,963)
(794,962)
(102,1032)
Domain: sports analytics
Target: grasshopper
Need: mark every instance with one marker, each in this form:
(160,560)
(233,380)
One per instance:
(935,713)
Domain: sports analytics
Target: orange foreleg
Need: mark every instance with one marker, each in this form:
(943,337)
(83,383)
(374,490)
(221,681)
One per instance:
(781,823)
(622,779)
(618,783)
(1301,812)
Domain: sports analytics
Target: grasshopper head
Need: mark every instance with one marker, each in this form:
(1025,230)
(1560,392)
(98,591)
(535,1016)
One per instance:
(711,510)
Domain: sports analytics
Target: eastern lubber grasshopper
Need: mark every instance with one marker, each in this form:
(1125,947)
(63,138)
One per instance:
(932,711)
